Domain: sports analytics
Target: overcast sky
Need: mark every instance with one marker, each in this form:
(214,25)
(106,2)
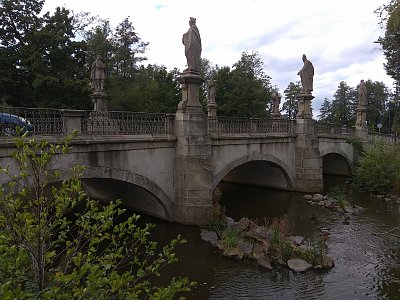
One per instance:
(336,35)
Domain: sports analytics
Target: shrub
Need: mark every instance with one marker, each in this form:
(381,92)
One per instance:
(60,244)
(379,167)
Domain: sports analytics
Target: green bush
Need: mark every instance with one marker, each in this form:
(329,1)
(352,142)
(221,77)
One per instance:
(379,168)
(56,243)
(230,237)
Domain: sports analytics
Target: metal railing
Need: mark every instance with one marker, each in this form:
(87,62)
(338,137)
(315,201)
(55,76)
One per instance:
(329,129)
(230,125)
(43,121)
(35,120)
(124,123)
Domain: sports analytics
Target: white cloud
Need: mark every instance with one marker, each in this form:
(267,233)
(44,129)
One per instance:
(337,36)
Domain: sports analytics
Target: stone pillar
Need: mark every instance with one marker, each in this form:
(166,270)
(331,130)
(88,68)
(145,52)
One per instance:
(308,159)
(212,109)
(72,120)
(100,100)
(190,82)
(361,122)
(193,160)
(304,104)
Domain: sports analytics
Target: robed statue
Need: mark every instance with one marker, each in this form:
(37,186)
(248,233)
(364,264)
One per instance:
(192,41)
(306,75)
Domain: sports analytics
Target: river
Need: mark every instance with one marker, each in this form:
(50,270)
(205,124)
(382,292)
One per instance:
(366,250)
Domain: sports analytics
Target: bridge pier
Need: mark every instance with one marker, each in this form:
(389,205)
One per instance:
(308,161)
(193,159)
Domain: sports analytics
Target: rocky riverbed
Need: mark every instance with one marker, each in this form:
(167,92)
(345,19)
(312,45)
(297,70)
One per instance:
(267,244)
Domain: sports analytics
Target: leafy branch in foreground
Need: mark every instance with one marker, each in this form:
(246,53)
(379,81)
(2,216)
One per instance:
(56,243)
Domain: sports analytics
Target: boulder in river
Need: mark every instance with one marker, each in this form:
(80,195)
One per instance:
(298,265)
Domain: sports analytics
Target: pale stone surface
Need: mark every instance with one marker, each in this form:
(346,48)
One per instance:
(327,262)
(264,261)
(362,93)
(192,41)
(98,75)
(306,75)
(276,101)
(317,197)
(209,236)
(242,225)
(257,249)
(298,265)
(296,239)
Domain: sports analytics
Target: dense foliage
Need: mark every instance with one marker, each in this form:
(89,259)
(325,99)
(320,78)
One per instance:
(245,89)
(56,243)
(342,109)
(378,167)
(290,106)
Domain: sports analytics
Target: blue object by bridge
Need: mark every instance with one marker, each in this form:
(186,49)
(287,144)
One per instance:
(9,123)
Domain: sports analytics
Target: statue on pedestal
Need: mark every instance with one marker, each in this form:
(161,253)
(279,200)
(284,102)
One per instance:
(276,101)
(192,41)
(306,76)
(98,75)
(211,92)
(362,93)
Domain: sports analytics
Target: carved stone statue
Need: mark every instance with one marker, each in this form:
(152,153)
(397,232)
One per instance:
(98,75)
(306,75)
(192,41)
(276,101)
(362,93)
(211,92)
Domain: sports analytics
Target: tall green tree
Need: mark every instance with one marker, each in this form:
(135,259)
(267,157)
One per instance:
(389,15)
(56,243)
(245,90)
(377,97)
(326,113)
(43,63)
(290,104)
(154,90)
(343,105)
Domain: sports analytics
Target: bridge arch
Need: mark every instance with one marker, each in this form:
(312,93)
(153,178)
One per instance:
(268,162)
(336,162)
(152,200)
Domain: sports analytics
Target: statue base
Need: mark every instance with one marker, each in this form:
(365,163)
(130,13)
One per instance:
(100,100)
(190,82)
(304,104)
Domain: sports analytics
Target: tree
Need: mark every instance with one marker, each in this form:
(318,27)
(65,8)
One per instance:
(43,63)
(389,15)
(245,90)
(343,105)
(154,90)
(377,97)
(326,114)
(290,105)
(56,243)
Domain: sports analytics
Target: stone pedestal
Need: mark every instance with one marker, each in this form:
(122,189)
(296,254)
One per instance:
(212,109)
(190,82)
(193,170)
(361,122)
(304,104)
(308,159)
(100,100)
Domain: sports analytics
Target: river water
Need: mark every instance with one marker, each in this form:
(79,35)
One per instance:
(366,250)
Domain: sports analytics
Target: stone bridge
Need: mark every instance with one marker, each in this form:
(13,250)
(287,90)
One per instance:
(167,165)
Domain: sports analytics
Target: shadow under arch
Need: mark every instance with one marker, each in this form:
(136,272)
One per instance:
(336,163)
(267,171)
(136,192)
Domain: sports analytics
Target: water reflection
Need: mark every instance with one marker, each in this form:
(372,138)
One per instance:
(366,252)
